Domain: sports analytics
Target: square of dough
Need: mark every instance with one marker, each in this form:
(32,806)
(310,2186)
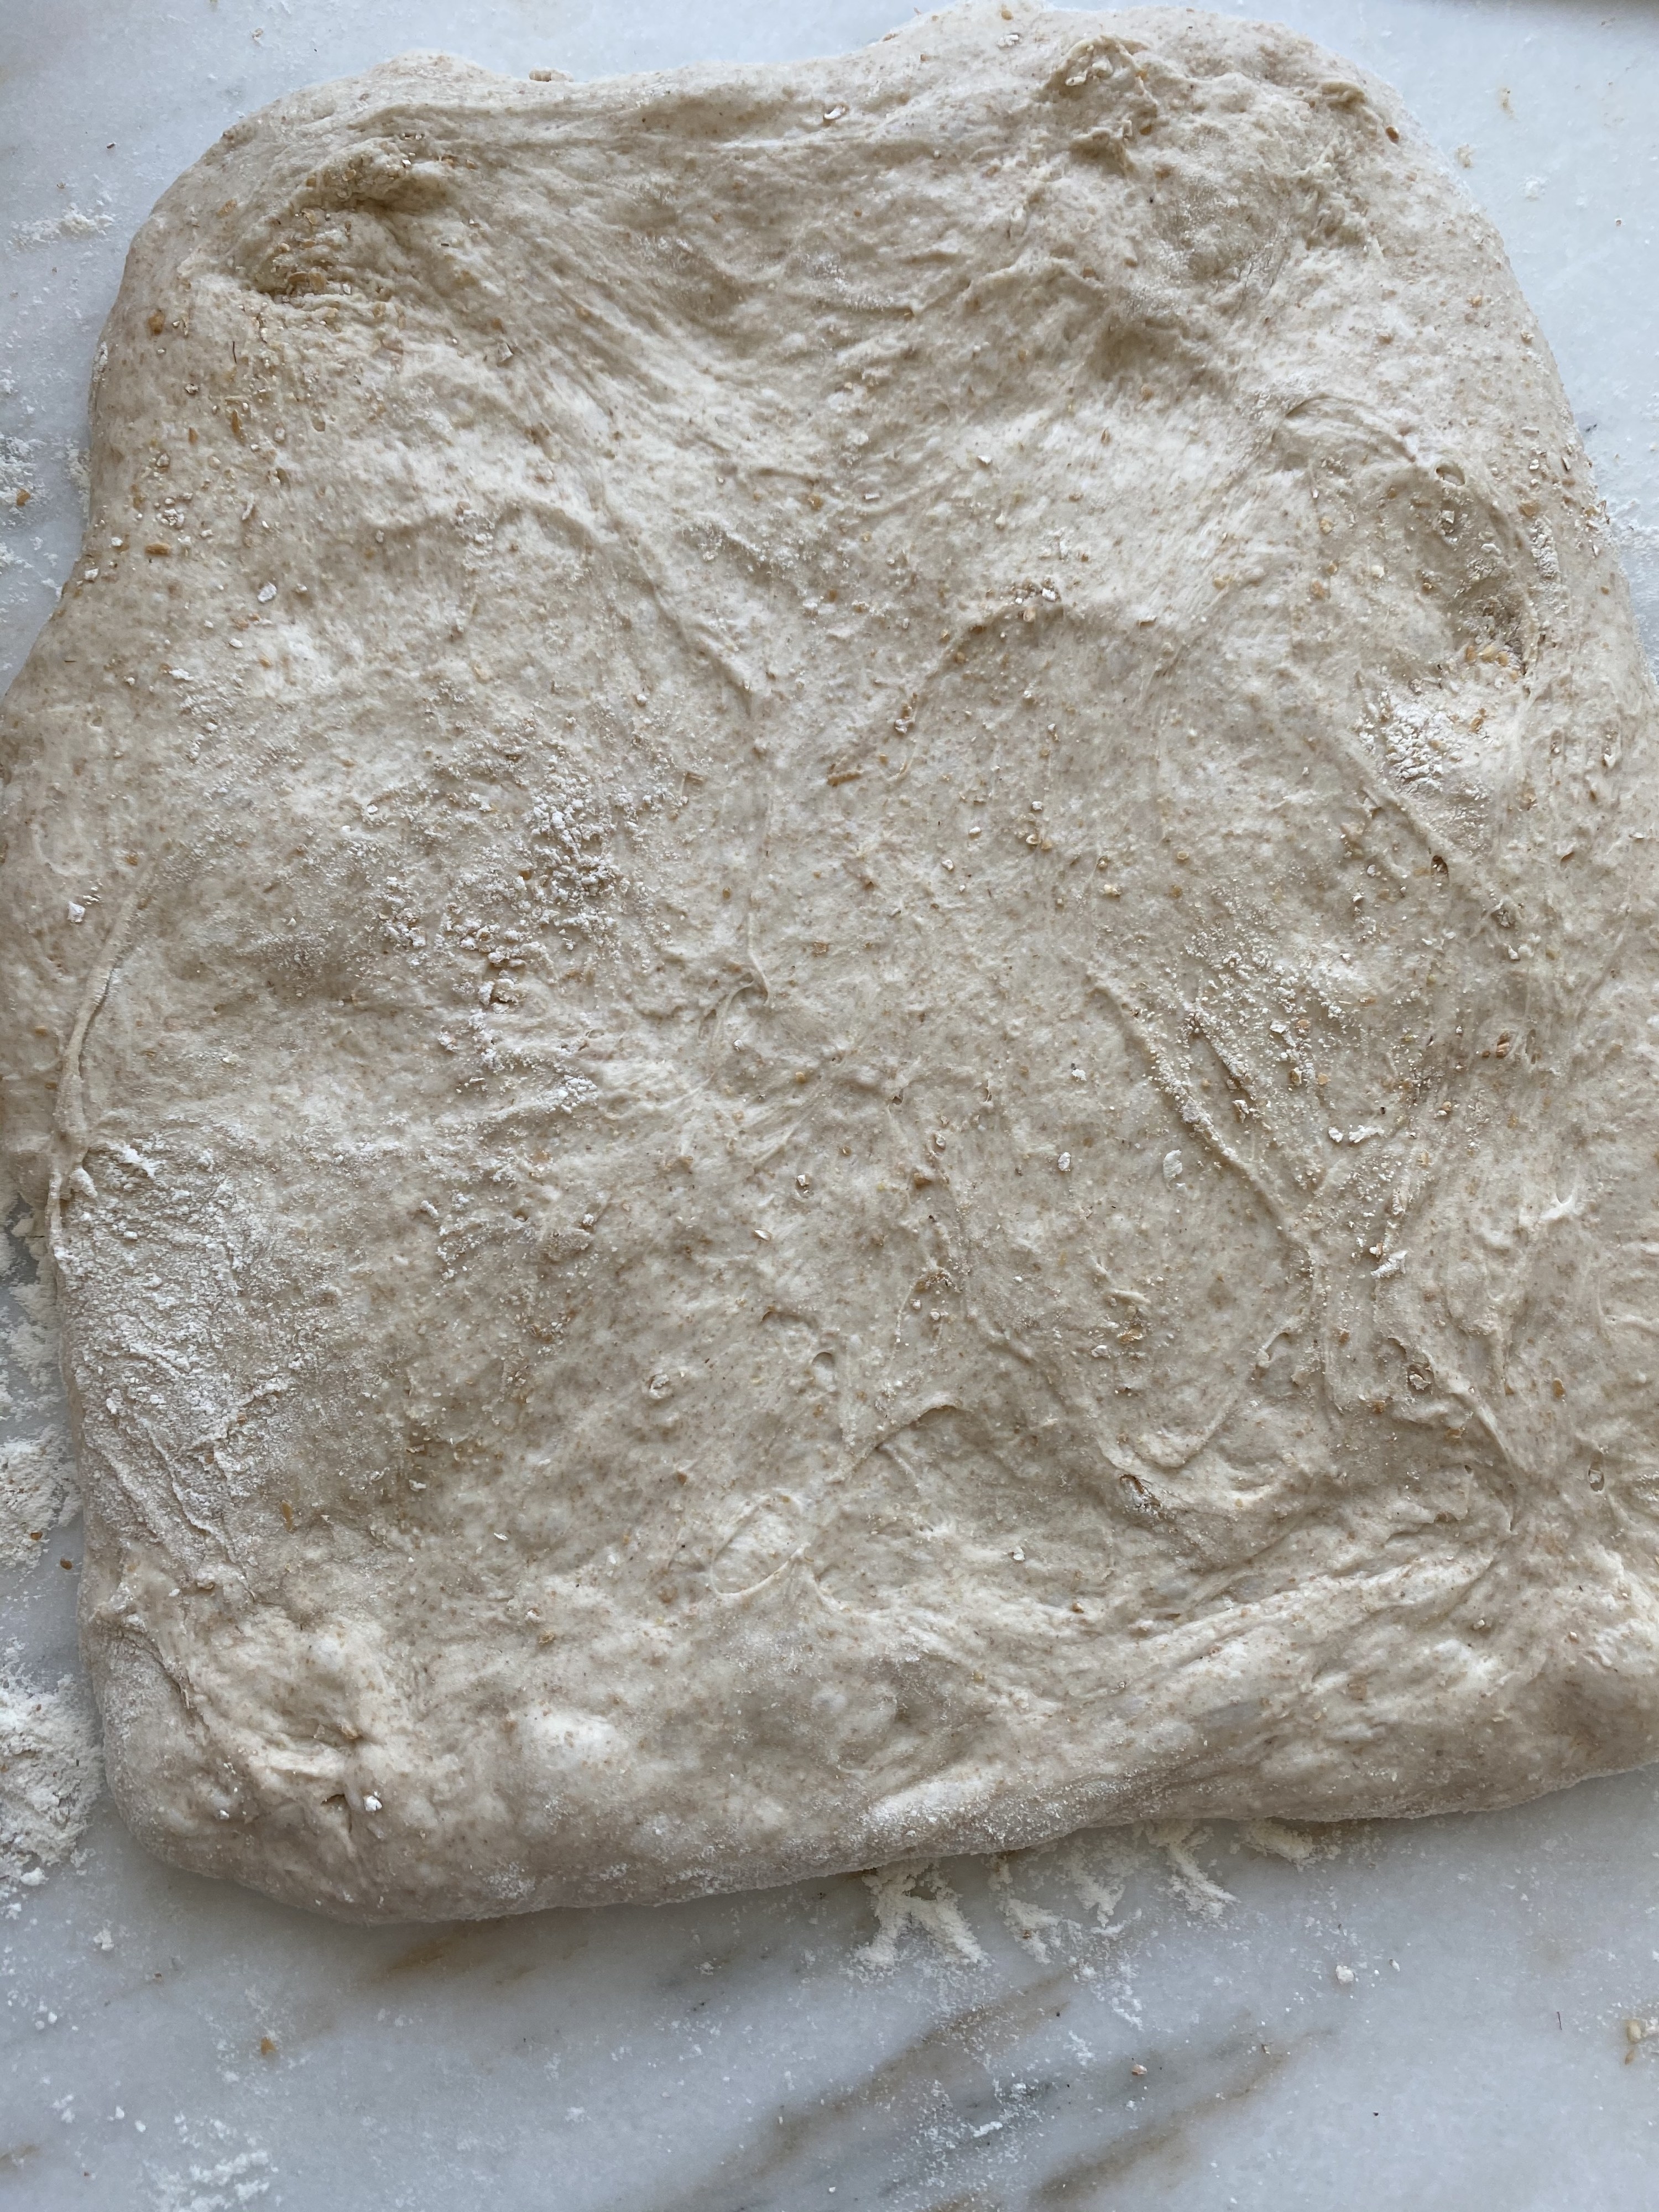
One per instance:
(829,918)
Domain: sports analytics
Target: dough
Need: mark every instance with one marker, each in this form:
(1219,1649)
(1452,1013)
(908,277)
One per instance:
(831,922)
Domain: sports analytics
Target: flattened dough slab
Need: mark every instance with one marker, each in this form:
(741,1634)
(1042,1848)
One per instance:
(830,923)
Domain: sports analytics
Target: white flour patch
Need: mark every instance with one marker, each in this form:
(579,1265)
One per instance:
(240,2179)
(901,1902)
(27,1328)
(29,1344)
(17,474)
(1098,1873)
(1178,1840)
(51,1773)
(38,1493)
(74,223)
(1097,1867)
(1031,1922)
(1275,1839)
(38,1488)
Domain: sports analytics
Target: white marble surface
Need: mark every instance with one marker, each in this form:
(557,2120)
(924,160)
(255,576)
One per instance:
(1432,2016)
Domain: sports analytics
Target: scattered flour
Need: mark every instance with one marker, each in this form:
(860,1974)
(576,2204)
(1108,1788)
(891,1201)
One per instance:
(38,1489)
(30,1345)
(38,1493)
(900,1902)
(17,475)
(1274,1839)
(73,223)
(1101,1897)
(1177,1839)
(1096,1866)
(233,2181)
(50,1772)
(1027,1920)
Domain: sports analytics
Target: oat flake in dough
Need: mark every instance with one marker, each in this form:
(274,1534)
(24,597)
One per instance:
(830,915)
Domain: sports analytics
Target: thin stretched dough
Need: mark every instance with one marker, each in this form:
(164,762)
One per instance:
(831,918)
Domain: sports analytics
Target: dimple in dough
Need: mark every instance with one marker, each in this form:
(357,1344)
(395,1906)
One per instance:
(831,916)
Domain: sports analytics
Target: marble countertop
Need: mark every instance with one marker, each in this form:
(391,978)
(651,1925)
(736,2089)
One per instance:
(1432,2013)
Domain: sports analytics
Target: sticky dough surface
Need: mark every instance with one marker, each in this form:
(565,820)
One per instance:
(831,930)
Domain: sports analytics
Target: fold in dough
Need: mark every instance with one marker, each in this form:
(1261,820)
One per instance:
(831,920)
